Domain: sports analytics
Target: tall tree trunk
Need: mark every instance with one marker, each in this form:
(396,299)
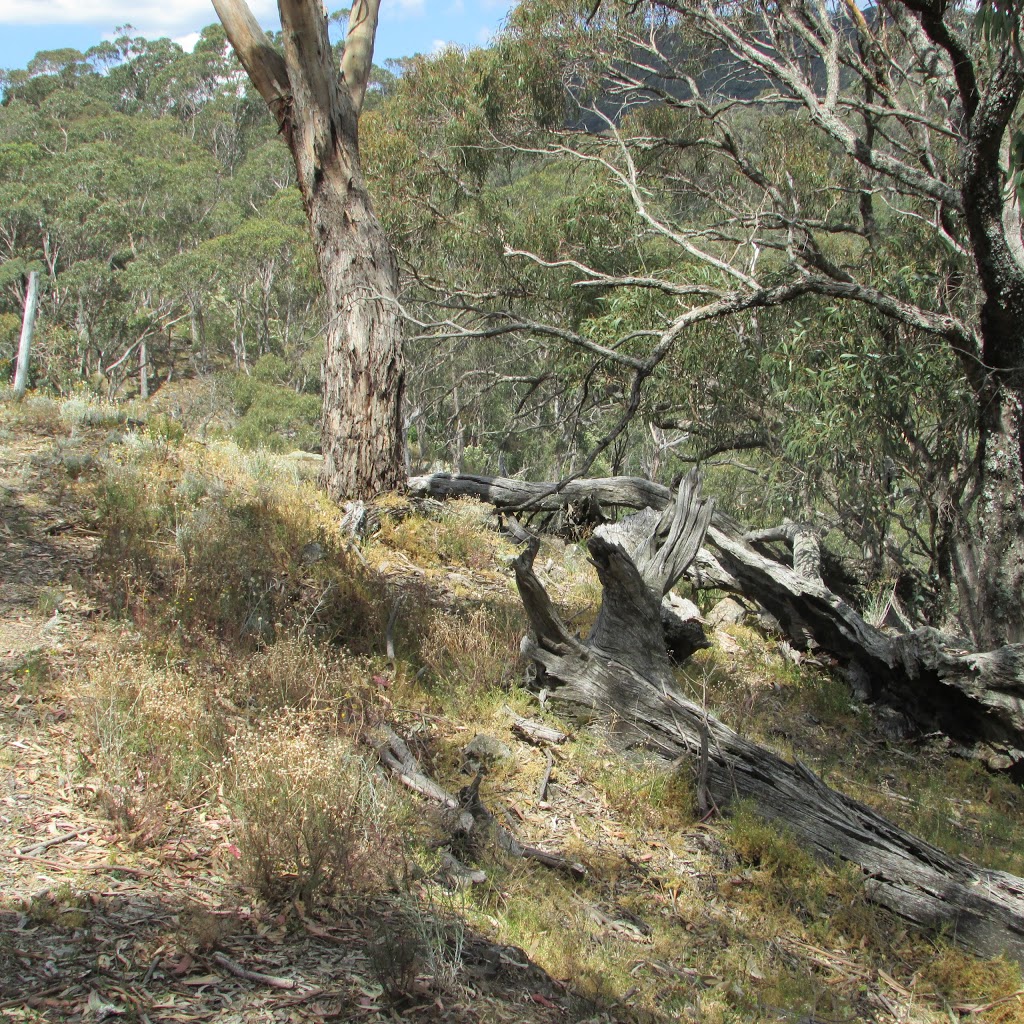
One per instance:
(317,109)
(25,343)
(996,373)
(1001,526)
(364,376)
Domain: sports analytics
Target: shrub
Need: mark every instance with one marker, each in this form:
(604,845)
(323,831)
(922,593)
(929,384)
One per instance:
(129,519)
(275,416)
(150,738)
(86,410)
(478,653)
(312,821)
(164,428)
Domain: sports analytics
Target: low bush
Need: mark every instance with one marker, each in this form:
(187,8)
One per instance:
(275,416)
(313,822)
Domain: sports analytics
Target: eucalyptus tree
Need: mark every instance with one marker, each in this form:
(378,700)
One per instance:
(814,157)
(317,106)
(451,199)
(102,199)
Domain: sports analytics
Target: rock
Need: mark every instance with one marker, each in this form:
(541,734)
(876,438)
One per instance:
(486,748)
(312,552)
(892,724)
(859,679)
(766,622)
(728,612)
(682,607)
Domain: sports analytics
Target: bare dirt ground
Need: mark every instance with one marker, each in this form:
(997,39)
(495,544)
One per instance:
(92,929)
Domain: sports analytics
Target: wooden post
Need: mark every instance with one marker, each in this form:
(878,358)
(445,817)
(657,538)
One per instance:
(25,344)
(143,370)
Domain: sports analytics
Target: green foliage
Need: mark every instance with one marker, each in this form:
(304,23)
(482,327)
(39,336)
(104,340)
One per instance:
(159,185)
(273,415)
(163,428)
(131,520)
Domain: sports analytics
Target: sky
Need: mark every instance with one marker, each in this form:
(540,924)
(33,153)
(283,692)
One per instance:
(406,26)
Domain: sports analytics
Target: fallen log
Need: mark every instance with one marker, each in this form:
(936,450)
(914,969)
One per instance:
(622,672)
(469,814)
(976,699)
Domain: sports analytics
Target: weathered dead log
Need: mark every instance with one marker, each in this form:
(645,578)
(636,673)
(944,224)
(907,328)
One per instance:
(524,495)
(802,539)
(621,671)
(975,699)
(534,731)
(470,816)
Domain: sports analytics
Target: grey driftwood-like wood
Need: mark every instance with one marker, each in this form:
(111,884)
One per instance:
(469,814)
(622,672)
(535,731)
(506,493)
(976,699)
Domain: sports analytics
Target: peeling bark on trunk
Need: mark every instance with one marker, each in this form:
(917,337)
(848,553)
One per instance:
(622,672)
(1001,561)
(975,699)
(317,107)
(363,375)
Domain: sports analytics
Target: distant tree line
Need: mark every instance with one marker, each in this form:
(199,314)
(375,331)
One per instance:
(779,241)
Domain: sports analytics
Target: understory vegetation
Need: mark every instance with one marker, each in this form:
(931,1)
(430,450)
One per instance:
(233,681)
(150,189)
(778,243)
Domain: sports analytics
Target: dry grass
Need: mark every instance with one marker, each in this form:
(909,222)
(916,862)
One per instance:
(313,822)
(246,660)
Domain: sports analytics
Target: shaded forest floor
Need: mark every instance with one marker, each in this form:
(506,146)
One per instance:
(192,676)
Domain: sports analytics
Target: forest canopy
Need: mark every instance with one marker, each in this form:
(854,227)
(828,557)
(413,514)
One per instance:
(632,239)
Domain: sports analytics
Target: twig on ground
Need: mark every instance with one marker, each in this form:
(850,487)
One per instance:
(542,789)
(70,865)
(243,972)
(534,731)
(31,997)
(39,847)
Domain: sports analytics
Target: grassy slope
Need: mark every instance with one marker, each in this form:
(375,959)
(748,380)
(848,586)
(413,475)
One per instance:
(193,665)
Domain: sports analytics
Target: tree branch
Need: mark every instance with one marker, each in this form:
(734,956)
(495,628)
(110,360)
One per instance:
(357,63)
(263,64)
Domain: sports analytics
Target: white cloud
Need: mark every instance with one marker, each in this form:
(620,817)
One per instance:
(485,36)
(148,17)
(188,42)
(456,7)
(439,46)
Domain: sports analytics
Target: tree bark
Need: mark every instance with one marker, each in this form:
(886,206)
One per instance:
(993,599)
(28,322)
(976,699)
(317,107)
(622,672)
(1001,527)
